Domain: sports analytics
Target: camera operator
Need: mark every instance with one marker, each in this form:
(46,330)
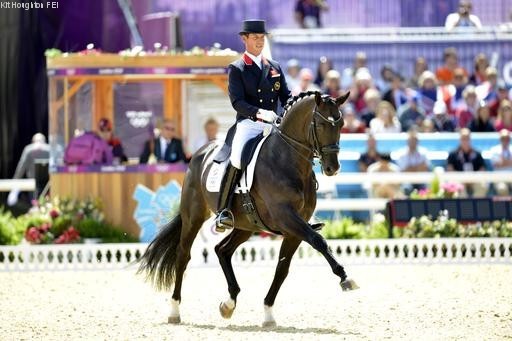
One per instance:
(463,17)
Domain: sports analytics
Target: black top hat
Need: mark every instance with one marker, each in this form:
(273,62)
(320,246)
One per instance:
(253,26)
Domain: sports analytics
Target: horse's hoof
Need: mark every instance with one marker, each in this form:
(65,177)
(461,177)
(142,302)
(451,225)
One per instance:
(269,324)
(174,320)
(225,311)
(348,285)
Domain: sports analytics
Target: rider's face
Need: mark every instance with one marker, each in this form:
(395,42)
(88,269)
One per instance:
(254,43)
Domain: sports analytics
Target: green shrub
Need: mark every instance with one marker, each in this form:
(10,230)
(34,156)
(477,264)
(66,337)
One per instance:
(10,233)
(345,228)
(90,228)
(61,224)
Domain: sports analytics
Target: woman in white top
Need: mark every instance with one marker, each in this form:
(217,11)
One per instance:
(385,120)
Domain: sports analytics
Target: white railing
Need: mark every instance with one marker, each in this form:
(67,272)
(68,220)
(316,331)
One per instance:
(262,252)
(388,34)
(7,185)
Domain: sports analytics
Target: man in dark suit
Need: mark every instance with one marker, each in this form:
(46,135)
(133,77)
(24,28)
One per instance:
(165,148)
(255,86)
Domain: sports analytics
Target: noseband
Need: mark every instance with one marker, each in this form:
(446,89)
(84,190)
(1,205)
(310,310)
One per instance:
(320,151)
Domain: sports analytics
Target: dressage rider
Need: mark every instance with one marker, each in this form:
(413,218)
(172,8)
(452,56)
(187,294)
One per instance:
(255,85)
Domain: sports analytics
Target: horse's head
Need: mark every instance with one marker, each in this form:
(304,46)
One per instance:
(326,124)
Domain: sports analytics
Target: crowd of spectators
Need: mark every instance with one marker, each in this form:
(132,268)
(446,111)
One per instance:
(447,98)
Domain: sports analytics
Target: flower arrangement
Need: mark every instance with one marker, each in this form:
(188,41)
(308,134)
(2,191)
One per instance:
(438,189)
(60,221)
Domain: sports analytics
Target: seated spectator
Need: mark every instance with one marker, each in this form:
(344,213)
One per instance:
(503,92)
(331,84)
(482,122)
(427,126)
(385,120)
(420,66)
(444,73)
(352,124)
(34,152)
(324,65)
(348,74)
(463,17)
(307,13)
(166,148)
(441,120)
(370,156)
(386,78)
(292,73)
(467,159)
(467,111)
(428,91)
(363,82)
(413,159)
(305,82)
(384,190)
(504,120)
(105,132)
(411,115)
(211,129)
(502,161)
(371,99)
(481,64)
(488,91)
(455,90)
(396,94)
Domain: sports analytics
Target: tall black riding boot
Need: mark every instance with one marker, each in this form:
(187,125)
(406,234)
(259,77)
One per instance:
(225,219)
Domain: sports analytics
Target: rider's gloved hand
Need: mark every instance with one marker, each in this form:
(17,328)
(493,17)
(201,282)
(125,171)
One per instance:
(266,115)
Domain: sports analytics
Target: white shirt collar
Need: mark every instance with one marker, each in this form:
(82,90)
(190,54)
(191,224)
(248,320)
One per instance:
(256,59)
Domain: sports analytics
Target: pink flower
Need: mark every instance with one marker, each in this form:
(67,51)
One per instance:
(425,192)
(452,187)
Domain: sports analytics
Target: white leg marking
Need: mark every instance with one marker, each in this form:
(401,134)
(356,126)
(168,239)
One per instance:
(269,317)
(230,303)
(175,308)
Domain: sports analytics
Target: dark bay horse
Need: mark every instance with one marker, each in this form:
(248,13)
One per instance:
(284,192)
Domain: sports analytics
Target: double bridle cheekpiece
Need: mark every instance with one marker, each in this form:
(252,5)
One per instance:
(314,149)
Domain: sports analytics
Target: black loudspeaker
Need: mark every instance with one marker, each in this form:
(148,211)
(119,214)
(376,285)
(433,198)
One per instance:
(41,175)
(163,28)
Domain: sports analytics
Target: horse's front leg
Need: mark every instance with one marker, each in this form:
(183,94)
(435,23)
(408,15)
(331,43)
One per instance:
(288,248)
(225,250)
(295,226)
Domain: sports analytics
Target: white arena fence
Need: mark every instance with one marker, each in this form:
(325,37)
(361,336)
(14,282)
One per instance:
(263,252)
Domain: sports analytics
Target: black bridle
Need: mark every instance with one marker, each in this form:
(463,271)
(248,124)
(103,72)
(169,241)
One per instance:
(315,149)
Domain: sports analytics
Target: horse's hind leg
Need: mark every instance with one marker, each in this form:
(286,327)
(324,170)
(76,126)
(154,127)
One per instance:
(193,216)
(288,248)
(224,251)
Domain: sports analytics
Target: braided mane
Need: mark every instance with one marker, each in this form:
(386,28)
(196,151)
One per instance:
(295,99)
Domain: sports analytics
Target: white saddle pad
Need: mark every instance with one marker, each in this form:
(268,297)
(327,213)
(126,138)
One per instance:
(217,171)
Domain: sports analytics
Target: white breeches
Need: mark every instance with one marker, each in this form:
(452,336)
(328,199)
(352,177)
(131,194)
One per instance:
(245,130)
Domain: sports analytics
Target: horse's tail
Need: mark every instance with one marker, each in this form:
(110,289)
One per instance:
(159,259)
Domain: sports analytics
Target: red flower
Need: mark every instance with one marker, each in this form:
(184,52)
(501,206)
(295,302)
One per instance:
(54,213)
(69,236)
(32,235)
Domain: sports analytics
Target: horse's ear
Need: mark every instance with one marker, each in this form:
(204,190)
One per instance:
(340,100)
(318,98)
